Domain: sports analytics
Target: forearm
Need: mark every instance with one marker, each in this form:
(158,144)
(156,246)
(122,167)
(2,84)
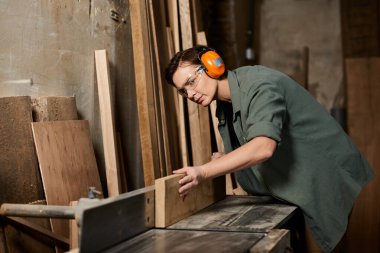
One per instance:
(254,152)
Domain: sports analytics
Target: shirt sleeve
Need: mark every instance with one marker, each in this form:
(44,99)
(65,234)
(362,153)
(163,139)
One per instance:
(266,111)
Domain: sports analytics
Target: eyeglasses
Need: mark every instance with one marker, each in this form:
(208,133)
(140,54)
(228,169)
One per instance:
(192,82)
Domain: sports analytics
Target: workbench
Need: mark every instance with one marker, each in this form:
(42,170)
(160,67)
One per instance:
(234,224)
(126,223)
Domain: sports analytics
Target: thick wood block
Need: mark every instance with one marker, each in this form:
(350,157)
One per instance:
(170,208)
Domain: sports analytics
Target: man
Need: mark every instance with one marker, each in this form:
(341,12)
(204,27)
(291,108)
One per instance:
(279,141)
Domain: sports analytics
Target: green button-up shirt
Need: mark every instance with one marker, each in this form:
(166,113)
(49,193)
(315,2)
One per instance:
(315,166)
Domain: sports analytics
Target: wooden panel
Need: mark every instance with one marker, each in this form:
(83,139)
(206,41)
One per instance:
(108,128)
(20,180)
(170,208)
(67,163)
(144,90)
(198,115)
(54,108)
(363,96)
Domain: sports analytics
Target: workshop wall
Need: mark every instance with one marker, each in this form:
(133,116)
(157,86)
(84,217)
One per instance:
(289,25)
(52,43)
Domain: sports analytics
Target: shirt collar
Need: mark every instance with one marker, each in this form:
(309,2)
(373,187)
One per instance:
(235,91)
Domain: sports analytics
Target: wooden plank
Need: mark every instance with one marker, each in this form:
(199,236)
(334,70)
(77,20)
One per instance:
(161,107)
(20,179)
(167,197)
(144,90)
(123,175)
(107,122)
(54,108)
(363,103)
(198,115)
(173,21)
(173,42)
(67,163)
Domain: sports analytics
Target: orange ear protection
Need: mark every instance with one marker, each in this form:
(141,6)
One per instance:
(212,62)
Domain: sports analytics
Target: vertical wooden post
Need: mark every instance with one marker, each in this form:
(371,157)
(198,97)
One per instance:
(144,90)
(198,116)
(106,118)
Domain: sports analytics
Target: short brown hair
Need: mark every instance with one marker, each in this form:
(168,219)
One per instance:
(189,55)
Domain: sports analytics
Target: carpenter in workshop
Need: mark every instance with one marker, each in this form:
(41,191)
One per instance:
(279,141)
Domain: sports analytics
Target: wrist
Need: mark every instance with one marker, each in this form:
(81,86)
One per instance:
(203,171)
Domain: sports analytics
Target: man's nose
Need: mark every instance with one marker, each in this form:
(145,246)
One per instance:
(191,93)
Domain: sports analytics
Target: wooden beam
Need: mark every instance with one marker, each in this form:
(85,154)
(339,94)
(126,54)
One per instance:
(160,91)
(144,90)
(108,128)
(170,208)
(198,115)
(173,21)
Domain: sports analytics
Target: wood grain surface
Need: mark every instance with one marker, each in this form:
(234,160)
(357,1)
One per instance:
(107,122)
(170,208)
(67,163)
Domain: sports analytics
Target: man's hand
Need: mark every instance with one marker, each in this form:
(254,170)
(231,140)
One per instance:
(193,176)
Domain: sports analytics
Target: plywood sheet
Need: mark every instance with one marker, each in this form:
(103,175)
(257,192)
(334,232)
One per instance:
(67,163)
(170,208)
(363,97)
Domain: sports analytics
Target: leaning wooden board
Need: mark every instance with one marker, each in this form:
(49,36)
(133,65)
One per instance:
(67,163)
(170,208)
(20,180)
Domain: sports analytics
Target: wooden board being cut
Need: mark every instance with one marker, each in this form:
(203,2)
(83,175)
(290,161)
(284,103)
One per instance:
(170,208)
(67,163)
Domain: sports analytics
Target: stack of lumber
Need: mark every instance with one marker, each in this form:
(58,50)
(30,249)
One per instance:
(174,132)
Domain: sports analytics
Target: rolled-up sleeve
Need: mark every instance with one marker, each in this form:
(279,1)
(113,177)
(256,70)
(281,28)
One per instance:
(266,111)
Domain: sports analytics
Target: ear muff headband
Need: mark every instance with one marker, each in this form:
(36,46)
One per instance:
(212,62)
